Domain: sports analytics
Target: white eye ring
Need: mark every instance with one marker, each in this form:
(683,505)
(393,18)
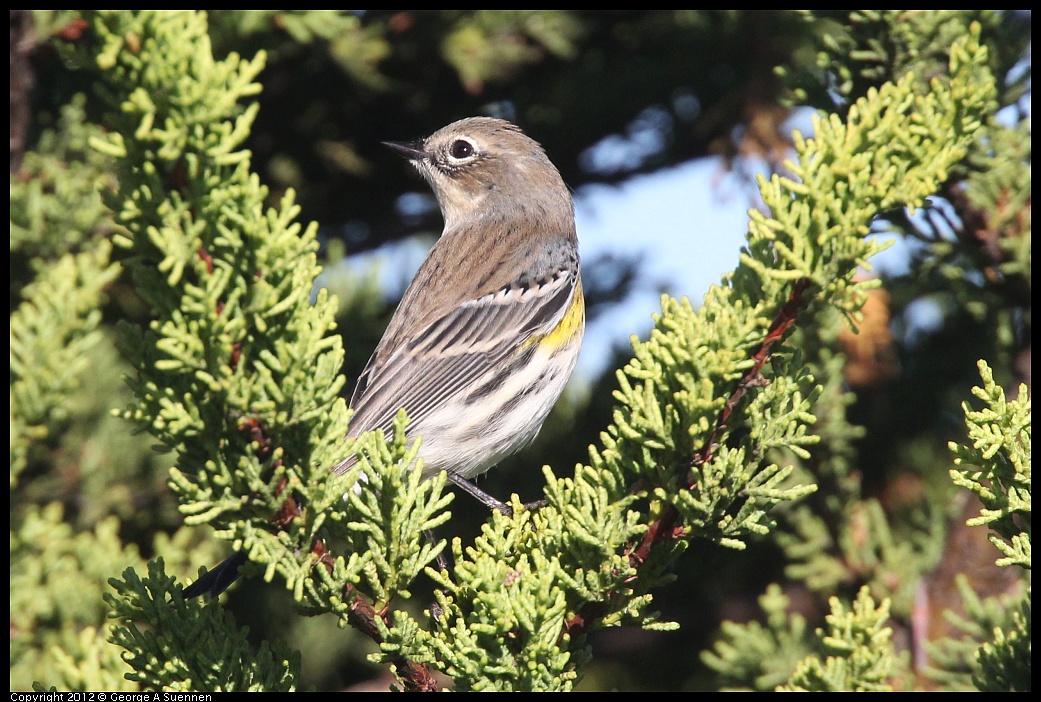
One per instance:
(461,150)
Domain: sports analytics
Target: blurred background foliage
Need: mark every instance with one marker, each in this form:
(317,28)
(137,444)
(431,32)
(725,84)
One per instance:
(661,88)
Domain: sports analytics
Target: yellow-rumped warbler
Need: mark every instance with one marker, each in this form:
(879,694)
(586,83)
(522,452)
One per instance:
(488,332)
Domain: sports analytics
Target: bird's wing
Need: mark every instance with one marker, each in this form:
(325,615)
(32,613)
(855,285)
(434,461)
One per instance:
(421,373)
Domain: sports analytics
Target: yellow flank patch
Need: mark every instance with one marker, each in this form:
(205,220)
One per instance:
(569,325)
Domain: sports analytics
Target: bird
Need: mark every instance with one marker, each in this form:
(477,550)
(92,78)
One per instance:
(489,330)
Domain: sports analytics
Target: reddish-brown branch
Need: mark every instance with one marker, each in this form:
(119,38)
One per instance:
(785,317)
(206,258)
(362,616)
(664,527)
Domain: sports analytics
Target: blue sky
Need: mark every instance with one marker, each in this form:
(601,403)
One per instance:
(686,224)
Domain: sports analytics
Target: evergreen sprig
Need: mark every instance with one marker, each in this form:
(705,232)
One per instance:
(58,226)
(154,620)
(999,457)
(1005,661)
(237,372)
(969,660)
(857,650)
(52,333)
(998,467)
(760,657)
(55,637)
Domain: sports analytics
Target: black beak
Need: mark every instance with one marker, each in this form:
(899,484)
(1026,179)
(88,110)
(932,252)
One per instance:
(412,150)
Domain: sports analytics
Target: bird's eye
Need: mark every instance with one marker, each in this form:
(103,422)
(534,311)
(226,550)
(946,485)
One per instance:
(461,149)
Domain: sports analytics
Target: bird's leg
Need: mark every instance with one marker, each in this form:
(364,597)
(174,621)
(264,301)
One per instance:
(487,500)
